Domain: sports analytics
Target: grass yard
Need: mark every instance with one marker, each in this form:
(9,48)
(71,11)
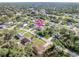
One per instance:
(26,27)
(47,36)
(58,43)
(38,41)
(21,31)
(27,35)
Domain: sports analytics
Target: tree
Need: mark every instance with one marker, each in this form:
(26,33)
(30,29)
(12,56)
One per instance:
(29,50)
(20,50)
(9,34)
(54,52)
(3,52)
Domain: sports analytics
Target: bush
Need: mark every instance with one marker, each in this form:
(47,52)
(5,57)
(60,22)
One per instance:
(3,52)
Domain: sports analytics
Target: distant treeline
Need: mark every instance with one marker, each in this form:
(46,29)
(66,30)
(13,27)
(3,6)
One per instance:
(41,4)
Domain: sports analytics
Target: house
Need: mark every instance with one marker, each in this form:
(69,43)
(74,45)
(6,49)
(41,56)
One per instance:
(18,13)
(19,36)
(43,11)
(31,26)
(69,23)
(18,43)
(2,26)
(39,23)
(77,25)
(9,22)
(34,12)
(56,36)
(25,40)
(25,24)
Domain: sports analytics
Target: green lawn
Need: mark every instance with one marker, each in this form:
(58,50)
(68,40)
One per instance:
(47,36)
(1,31)
(27,35)
(38,41)
(20,31)
(26,27)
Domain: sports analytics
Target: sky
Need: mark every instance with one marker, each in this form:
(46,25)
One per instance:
(39,0)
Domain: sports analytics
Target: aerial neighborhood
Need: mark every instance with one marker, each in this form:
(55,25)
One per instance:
(39,29)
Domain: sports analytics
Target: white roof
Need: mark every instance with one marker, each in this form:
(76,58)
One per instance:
(25,24)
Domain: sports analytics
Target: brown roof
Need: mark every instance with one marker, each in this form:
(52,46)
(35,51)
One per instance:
(24,40)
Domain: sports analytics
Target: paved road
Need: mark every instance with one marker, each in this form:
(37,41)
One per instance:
(72,54)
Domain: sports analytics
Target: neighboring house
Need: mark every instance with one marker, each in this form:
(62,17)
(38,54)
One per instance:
(11,22)
(19,13)
(34,12)
(43,11)
(25,40)
(25,24)
(56,36)
(36,17)
(77,25)
(19,36)
(18,43)
(69,23)
(31,26)
(39,23)
(2,26)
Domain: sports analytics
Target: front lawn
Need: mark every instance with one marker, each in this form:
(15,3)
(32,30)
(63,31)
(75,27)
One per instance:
(38,41)
(28,35)
(47,36)
(26,27)
(21,31)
